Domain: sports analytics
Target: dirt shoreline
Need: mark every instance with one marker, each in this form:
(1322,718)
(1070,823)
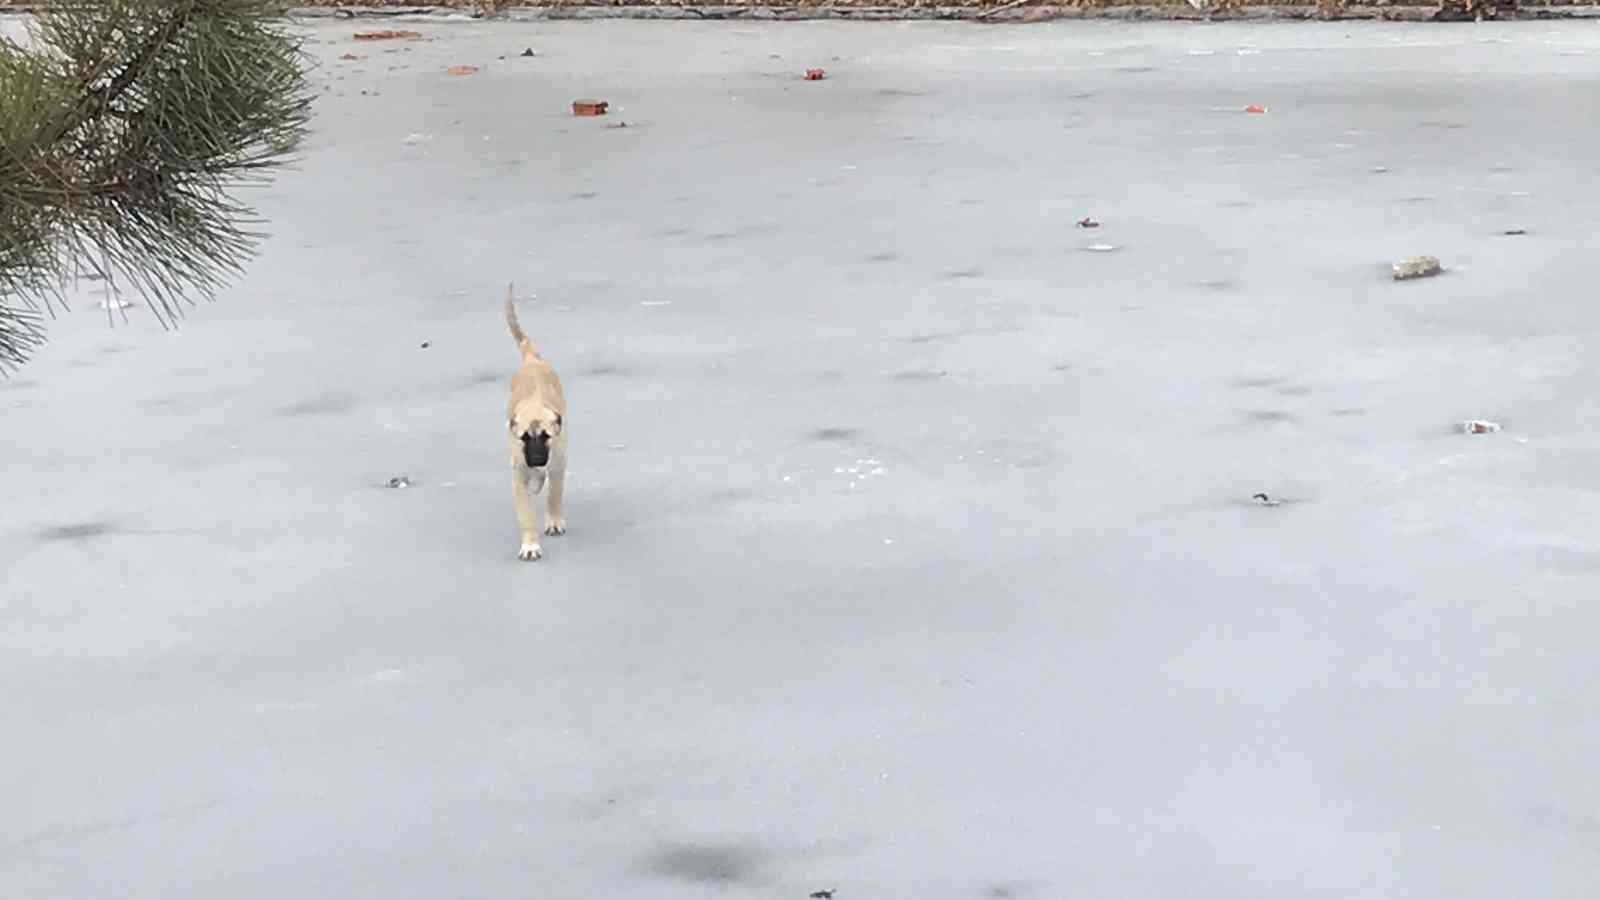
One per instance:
(984,12)
(1013,12)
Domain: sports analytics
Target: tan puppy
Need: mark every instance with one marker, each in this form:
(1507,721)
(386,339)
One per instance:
(537,418)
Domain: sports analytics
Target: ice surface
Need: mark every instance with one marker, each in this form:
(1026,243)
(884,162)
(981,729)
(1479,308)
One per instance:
(1041,643)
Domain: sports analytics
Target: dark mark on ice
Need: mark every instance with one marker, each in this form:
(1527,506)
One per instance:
(78,531)
(57,834)
(478,379)
(1573,823)
(326,404)
(1258,381)
(835,434)
(603,370)
(740,232)
(726,496)
(707,863)
(1271,416)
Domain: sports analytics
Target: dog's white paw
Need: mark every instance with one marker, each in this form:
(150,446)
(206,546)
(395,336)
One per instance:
(556,527)
(530,552)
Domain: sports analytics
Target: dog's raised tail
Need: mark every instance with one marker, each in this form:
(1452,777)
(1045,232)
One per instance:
(528,348)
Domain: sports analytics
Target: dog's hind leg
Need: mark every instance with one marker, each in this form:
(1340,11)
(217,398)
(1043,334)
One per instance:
(558,492)
(527,517)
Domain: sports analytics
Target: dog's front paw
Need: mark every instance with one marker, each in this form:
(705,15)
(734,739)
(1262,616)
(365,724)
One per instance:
(556,527)
(530,552)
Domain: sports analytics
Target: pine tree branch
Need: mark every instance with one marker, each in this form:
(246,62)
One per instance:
(124,131)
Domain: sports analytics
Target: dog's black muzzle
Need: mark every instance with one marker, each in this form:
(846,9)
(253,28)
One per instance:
(536,450)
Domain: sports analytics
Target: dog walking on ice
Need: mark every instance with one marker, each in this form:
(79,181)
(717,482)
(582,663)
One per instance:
(537,418)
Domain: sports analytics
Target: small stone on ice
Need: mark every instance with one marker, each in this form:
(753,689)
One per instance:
(1416,267)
